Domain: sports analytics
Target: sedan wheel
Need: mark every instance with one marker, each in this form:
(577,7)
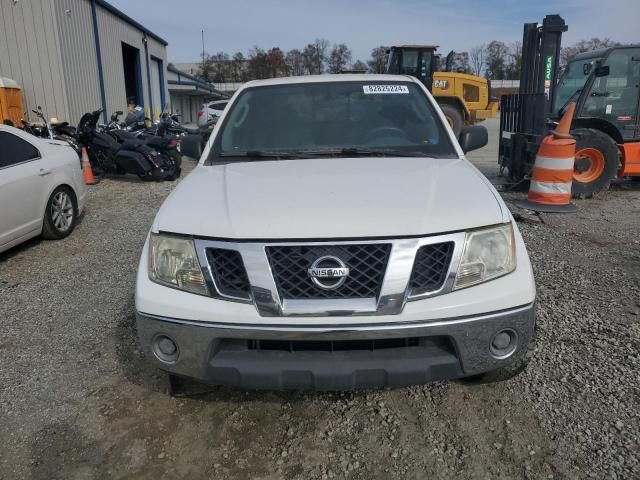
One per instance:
(62,211)
(60,215)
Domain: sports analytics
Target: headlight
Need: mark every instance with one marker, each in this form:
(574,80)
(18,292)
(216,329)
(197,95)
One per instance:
(488,254)
(173,262)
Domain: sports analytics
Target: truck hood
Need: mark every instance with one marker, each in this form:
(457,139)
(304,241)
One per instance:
(330,198)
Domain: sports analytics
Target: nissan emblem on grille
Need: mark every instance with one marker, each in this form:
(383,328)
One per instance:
(328,272)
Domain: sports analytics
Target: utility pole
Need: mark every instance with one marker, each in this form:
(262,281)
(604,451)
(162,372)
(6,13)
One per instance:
(203,50)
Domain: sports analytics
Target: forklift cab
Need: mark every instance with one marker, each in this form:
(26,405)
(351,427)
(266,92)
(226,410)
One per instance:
(419,61)
(606,86)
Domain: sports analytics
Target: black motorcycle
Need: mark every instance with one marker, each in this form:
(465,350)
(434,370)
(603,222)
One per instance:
(135,156)
(134,127)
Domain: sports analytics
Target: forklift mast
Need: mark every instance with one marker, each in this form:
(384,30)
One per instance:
(526,113)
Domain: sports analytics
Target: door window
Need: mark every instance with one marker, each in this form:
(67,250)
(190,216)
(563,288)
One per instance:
(14,150)
(615,96)
(470,93)
(410,62)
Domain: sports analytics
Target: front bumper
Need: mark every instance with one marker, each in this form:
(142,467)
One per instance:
(222,354)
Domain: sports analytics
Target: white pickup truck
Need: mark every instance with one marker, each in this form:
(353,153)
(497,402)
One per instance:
(333,236)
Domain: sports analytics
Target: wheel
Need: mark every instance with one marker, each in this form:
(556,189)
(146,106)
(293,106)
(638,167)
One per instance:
(596,162)
(60,215)
(454,117)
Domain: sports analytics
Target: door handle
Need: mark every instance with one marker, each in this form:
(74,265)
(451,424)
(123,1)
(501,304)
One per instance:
(44,172)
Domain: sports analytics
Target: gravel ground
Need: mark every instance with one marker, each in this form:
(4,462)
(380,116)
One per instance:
(78,401)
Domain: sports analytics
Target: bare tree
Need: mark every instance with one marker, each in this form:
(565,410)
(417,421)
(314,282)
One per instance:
(258,64)
(315,55)
(378,61)
(514,62)
(496,60)
(476,57)
(359,65)
(238,67)
(276,63)
(295,62)
(566,53)
(339,58)
(206,69)
(460,62)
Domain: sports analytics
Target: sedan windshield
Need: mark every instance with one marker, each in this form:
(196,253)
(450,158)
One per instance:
(339,119)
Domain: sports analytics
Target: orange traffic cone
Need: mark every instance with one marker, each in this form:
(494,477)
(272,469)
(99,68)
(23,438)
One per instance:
(552,173)
(89,179)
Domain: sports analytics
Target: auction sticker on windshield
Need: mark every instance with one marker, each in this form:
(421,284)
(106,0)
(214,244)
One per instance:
(369,89)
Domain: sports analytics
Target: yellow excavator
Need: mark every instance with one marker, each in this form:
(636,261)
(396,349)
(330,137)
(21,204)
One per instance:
(463,98)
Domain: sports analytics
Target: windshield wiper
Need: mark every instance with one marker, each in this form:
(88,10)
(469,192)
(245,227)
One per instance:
(249,154)
(372,152)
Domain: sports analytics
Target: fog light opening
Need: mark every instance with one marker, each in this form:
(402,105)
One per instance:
(504,343)
(165,349)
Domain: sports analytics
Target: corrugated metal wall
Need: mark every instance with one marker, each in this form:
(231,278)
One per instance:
(113,31)
(48,47)
(187,105)
(77,45)
(30,55)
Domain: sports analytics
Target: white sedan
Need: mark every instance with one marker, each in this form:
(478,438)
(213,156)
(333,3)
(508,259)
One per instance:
(210,111)
(42,190)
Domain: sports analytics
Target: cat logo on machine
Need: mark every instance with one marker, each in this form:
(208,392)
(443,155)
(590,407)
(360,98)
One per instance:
(441,84)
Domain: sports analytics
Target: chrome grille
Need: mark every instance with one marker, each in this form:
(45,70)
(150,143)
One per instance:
(367,264)
(228,271)
(430,267)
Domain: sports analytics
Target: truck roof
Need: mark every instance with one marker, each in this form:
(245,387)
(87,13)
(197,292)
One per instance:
(601,52)
(333,77)
(430,47)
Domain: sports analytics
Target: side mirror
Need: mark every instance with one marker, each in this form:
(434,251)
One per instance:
(473,137)
(191,146)
(602,71)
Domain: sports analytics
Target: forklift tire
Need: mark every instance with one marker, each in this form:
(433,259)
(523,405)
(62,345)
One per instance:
(454,117)
(596,162)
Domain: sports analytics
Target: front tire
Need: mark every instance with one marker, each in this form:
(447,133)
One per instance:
(454,117)
(596,162)
(60,215)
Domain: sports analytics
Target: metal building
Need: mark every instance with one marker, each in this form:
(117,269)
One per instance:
(74,56)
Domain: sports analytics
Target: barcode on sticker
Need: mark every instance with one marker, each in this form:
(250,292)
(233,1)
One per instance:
(373,89)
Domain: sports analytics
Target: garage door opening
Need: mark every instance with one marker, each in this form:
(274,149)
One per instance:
(132,74)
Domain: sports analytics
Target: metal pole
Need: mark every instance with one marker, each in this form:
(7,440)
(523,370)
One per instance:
(203,50)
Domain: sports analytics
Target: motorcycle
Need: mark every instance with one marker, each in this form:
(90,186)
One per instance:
(51,130)
(134,156)
(157,137)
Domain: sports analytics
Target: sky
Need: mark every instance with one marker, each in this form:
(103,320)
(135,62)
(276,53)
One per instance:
(238,25)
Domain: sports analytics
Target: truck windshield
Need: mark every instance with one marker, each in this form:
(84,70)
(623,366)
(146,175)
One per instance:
(368,118)
(573,80)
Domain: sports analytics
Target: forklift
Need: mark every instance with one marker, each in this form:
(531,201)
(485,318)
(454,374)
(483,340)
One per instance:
(463,98)
(605,84)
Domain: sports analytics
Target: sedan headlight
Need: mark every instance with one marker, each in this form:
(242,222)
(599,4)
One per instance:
(488,253)
(173,262)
